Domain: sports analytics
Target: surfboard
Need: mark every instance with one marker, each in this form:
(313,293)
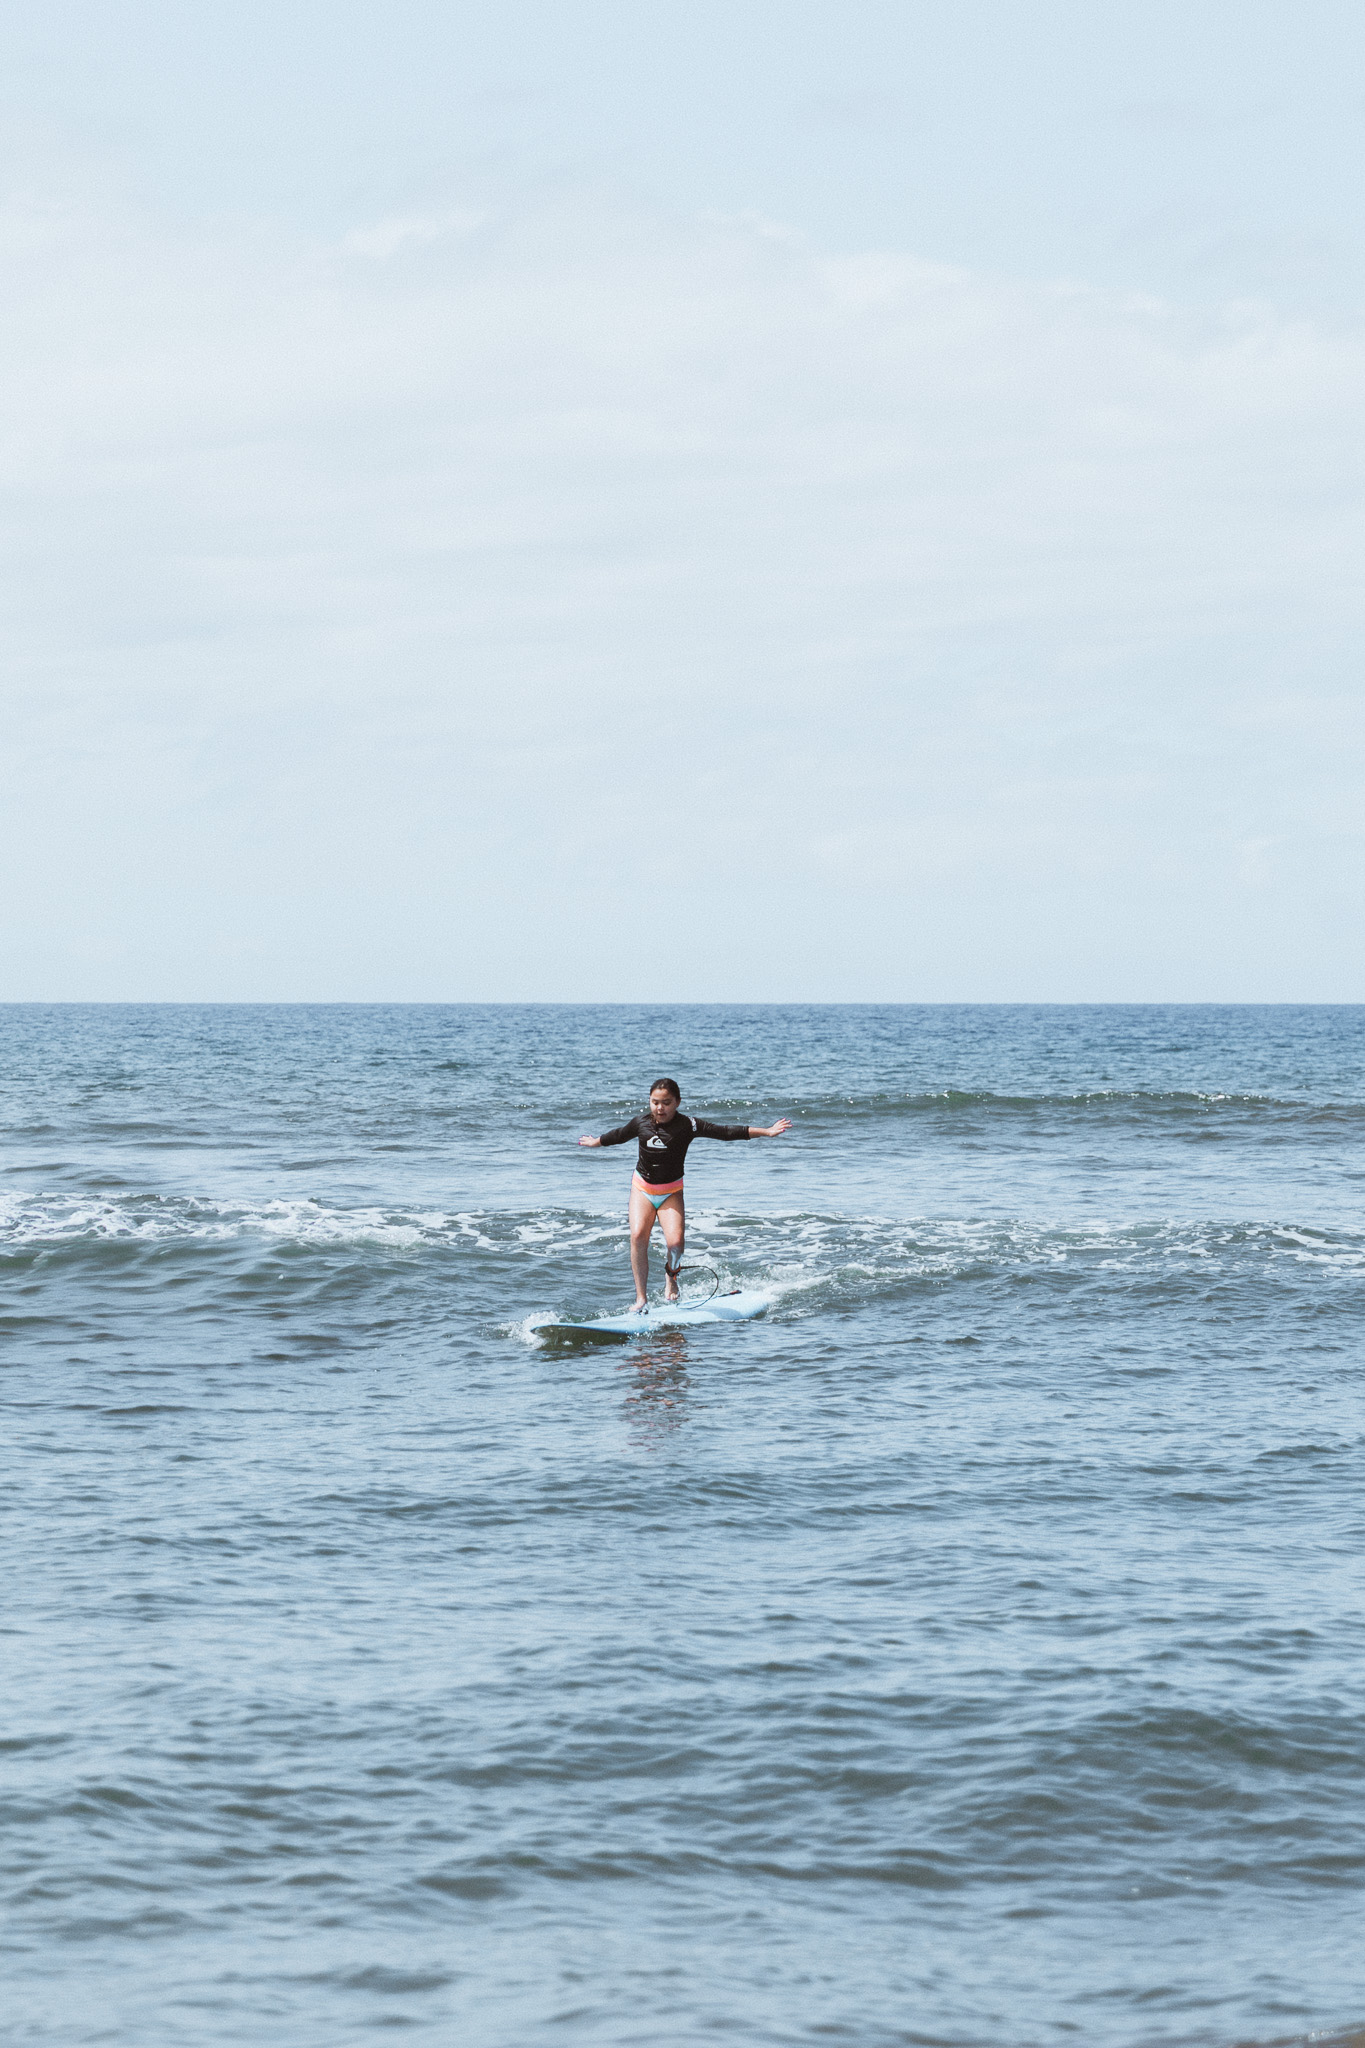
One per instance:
(722,1308)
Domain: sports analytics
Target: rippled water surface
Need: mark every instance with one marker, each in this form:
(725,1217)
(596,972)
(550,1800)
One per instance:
(970,1651)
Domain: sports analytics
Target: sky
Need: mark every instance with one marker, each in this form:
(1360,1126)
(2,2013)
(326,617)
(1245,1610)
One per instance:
(622,502)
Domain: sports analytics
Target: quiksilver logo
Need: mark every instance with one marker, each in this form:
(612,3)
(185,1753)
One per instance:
(658,1144)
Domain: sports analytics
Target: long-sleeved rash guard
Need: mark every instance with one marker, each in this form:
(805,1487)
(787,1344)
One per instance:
(663,1147)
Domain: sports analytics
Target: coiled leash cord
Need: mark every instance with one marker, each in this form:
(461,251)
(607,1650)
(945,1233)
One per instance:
(680,1268)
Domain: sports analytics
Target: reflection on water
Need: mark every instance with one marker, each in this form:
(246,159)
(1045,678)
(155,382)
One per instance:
(657,1385)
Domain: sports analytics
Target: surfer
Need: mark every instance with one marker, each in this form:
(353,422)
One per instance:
(656,1188)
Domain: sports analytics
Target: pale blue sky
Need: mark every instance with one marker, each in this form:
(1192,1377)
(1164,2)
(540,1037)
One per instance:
(625,501)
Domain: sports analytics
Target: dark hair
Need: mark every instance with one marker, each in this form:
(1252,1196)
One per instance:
(674,1090)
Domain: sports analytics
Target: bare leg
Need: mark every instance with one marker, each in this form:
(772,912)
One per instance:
(673,1224)
(641,1224)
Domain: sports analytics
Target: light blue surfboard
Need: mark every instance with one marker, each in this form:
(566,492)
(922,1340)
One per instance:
(722,1308)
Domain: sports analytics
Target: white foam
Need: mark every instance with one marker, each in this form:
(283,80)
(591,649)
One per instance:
(64,1219)
(791,1253)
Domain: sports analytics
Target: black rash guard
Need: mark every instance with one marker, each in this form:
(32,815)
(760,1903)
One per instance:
(663,1147)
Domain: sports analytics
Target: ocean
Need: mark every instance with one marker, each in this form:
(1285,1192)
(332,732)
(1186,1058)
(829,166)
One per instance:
(969,1651)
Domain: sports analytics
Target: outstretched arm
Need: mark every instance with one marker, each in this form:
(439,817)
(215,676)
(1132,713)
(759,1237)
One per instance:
(704,1129)
(619,1137)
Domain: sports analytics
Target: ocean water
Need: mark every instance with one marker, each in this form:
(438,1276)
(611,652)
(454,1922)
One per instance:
(972,1650)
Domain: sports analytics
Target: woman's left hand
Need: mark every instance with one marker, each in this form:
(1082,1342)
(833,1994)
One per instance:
(784,1123)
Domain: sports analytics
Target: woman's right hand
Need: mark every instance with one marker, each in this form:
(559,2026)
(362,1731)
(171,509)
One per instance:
(590,1141)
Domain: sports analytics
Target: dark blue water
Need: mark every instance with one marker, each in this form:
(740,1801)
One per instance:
(970,1651)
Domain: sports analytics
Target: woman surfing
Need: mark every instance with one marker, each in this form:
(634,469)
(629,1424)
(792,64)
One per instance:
(656,1188)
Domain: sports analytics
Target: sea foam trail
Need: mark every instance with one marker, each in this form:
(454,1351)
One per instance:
(798,1246)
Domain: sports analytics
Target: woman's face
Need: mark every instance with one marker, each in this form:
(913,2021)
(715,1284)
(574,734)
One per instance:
(661,1105)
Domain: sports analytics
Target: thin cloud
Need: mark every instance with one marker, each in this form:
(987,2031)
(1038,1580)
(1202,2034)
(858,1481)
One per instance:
(368,538)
